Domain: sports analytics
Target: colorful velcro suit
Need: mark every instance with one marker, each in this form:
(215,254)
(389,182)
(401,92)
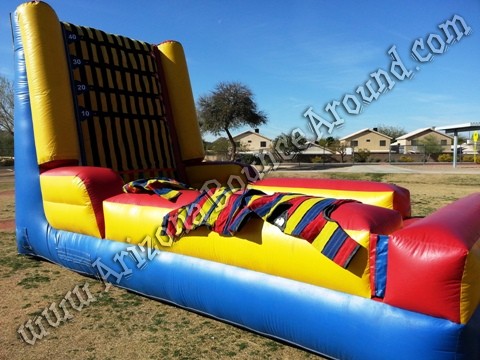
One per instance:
(164,187)
(226,210)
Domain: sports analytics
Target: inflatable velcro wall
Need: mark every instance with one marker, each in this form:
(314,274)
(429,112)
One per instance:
(112,164)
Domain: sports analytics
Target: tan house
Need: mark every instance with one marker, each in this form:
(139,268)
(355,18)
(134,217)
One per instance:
(252,142)
(369,139)
(411,143)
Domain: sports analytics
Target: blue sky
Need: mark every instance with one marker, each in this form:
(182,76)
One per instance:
(300,54)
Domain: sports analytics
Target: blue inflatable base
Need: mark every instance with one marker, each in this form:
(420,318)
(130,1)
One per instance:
(326,322)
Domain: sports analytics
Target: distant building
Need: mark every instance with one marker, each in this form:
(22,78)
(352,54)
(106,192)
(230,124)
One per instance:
(368,139)
(313,149)
(315,153)
(469,148)
(412,142)
(252,142)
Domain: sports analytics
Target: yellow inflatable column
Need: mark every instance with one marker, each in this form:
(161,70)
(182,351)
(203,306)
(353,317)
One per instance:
(181,100)
(49,85)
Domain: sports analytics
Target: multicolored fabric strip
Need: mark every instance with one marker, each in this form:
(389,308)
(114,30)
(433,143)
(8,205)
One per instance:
(164,187)
(225,211)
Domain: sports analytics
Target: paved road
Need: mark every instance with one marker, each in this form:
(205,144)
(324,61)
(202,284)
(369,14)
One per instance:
(386,169)
(433,168)
(6,171)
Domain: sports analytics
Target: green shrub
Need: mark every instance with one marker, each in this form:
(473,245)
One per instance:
(247,159)
(469,158)
(7,161)
(6,144)
(361,155)
(445,158)
(405,158)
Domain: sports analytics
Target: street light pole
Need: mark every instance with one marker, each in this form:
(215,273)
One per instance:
(455,146)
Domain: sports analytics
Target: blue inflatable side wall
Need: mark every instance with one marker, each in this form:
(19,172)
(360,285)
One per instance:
(318,319)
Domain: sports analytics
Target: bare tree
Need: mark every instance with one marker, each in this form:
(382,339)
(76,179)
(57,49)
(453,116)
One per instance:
(390,130)
(6,105)
(335,145)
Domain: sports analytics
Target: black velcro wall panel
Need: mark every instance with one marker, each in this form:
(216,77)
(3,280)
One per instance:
(121,109)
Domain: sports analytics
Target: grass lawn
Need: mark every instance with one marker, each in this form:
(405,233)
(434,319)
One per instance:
(122,325)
